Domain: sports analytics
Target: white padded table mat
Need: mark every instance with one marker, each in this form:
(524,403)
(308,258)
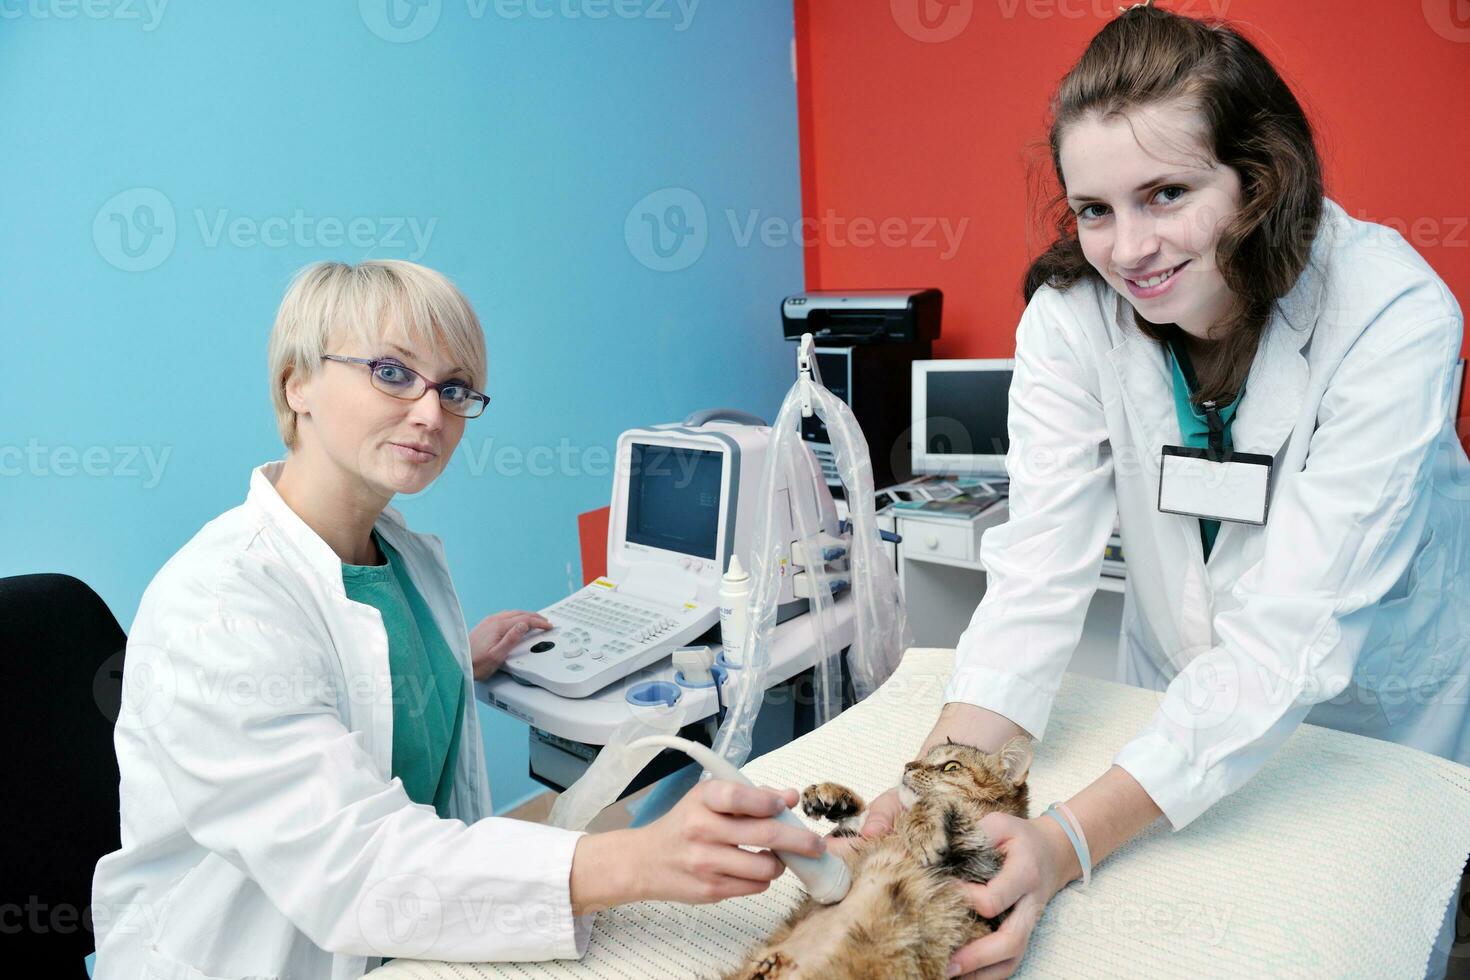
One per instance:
(1337,859)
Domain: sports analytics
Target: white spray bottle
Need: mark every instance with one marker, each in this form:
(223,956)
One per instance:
(734,610)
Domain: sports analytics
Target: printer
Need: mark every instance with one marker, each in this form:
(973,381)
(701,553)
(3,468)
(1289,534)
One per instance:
(864,316)
(867,341)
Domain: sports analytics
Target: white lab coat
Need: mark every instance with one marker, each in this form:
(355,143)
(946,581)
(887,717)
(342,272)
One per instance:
(263,834)
(1350,608)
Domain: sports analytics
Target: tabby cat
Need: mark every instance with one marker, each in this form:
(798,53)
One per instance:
(904,916)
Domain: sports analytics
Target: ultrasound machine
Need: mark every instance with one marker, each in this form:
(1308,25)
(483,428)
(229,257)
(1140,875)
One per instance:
(683,501)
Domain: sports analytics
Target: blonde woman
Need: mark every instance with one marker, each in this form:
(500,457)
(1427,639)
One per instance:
(303,783)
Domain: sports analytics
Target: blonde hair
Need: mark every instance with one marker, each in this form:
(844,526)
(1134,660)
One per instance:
(328,302)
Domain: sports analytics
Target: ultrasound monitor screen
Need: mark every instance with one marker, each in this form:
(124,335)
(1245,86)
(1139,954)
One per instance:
(674,499)
(967,413)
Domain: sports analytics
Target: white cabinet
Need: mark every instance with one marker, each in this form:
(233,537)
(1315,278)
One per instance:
(942,581)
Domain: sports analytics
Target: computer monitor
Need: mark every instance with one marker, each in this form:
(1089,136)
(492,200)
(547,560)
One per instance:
(959,416)
(685,498)
(673,501)
(674,495)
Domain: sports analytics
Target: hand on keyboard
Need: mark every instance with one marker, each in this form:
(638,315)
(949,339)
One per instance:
(598,636)
(492,641)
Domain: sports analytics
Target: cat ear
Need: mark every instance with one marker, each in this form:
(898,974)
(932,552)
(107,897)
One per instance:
(1016,756)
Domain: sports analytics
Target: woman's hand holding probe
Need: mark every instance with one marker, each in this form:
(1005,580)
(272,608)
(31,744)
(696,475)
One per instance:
(693,853)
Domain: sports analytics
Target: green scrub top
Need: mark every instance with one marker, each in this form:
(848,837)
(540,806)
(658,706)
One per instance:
(1194,428)
(428,683)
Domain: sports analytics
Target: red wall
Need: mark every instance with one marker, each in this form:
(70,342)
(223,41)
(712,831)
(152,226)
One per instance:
(906,132)
(592,541)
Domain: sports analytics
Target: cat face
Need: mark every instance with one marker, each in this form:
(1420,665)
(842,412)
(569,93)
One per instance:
(994,780)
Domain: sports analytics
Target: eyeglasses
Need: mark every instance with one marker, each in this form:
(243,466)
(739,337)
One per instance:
(393,378)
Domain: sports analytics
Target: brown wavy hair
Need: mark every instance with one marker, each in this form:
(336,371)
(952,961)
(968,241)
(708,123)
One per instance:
(1148,56)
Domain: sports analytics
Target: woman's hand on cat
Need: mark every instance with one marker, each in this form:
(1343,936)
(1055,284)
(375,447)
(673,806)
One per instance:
(693,853)
(492,641)
(1036,868)
(882,814)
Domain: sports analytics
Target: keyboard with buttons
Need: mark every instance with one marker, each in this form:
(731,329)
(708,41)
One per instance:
(601,636)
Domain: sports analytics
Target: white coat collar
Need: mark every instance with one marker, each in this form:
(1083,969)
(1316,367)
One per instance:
(315,553)
(423,557)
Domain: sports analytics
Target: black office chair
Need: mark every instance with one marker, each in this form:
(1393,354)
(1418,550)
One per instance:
(62,652)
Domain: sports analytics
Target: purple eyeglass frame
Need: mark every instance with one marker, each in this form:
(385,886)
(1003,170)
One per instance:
(436,386)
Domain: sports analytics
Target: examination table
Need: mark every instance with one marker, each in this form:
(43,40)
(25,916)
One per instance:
(1337,859)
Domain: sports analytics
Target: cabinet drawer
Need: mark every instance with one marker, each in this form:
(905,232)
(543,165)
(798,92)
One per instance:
(946,539)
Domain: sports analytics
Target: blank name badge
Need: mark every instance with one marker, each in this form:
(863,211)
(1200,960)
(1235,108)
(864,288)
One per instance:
(1193,484)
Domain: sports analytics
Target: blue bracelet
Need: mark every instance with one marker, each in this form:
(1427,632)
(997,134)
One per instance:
(1079,843)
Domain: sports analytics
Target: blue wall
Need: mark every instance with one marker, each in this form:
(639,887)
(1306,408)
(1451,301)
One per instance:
(531,144)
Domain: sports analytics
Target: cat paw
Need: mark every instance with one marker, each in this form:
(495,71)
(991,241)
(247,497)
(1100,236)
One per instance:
(830,801)
(770,967)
